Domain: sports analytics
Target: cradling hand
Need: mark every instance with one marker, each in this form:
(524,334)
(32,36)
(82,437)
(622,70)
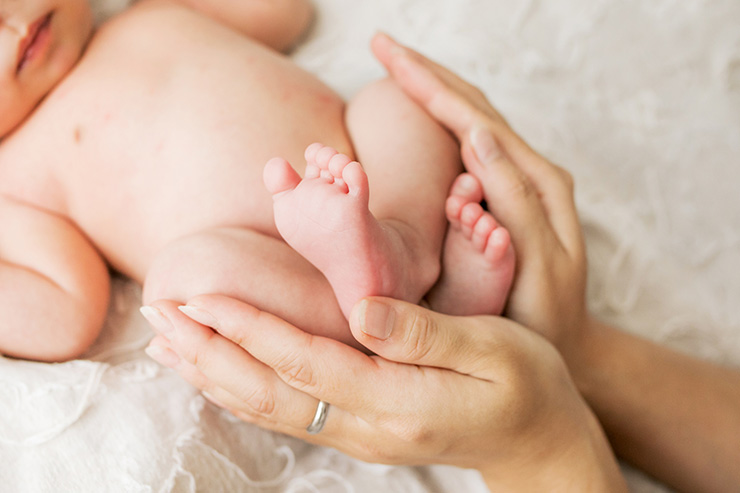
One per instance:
(530,196)
(476,392)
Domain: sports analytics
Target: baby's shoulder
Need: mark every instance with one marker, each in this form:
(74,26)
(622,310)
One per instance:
(145,25)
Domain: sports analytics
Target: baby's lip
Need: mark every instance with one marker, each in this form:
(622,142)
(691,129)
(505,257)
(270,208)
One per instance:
(25,48)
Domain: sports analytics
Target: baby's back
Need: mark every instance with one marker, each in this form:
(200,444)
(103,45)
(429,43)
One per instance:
(163,129)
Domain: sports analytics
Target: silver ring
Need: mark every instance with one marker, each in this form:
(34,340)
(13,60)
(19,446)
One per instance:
(319,419)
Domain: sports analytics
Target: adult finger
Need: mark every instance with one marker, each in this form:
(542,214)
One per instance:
(408,333)
(462,108)
(449,99)
(320,367)
(376,413)
(260,392)
(421,78)
(520,201)
(510,194)
(162,351)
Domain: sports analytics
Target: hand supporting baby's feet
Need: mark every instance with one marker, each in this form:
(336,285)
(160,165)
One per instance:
(478,259)
(325,217)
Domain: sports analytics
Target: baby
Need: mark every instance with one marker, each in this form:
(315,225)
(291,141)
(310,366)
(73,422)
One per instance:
(143,148)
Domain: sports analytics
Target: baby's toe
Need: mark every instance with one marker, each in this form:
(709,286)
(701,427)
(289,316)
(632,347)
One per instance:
(453,208)
(482,231)
(469,216)
(467,187)
(324,155)
(355,178)
(337,163)
(311,151)
(499,246)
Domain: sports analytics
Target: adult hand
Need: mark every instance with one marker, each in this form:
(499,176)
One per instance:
(478,392)
(530,196)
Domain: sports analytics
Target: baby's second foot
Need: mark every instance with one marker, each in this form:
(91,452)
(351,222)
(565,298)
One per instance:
(478,259)
(325,218)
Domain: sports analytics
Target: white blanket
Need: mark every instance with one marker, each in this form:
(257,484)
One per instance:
(639,100)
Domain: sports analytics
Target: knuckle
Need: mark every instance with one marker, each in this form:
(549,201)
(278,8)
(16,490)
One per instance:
(566,177)
(372,451)
(297,371)
(200,355)
(414,432)
(522,188)
(261,402)
(477,93)
(418,341)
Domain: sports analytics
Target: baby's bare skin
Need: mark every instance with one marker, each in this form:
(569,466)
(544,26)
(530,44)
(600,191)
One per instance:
(138,152)
(148,157)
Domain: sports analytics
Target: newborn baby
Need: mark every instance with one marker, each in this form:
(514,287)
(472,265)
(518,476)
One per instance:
(143,147)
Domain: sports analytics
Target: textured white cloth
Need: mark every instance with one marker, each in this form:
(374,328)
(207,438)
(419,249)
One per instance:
(639,100)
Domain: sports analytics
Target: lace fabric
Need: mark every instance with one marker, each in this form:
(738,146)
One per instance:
(639,100)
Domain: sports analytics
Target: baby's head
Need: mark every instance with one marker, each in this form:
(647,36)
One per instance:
(40,41)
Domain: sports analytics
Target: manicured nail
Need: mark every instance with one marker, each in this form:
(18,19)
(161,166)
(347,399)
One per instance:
(200,315)
(163,356)
(156,318)
(378,320)
(394,47)
(484,144)
(210,397)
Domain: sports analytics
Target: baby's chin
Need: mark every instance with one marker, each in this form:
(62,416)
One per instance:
(16,107)
(10,118)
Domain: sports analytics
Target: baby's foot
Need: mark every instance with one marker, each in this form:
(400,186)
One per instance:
(478,259)
(325,218)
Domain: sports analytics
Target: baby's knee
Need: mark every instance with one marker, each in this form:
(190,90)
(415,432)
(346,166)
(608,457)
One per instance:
(192,265)
(385,89)
(168,276)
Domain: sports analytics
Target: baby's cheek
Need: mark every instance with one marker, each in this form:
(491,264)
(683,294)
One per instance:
(14,107)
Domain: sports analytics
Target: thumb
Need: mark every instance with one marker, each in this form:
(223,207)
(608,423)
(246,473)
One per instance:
(408,333)
(510,194)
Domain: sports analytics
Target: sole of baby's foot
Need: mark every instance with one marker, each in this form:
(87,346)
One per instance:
(324,216)
(478,259)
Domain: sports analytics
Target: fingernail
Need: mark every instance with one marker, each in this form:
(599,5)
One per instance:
(394,47)
(484,144)
(156,318)
(212,399)
(163,356)
(378,320)
(200,315)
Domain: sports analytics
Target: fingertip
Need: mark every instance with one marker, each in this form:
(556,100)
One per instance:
(160,351)
(384,47)
(484,144)
(373,317)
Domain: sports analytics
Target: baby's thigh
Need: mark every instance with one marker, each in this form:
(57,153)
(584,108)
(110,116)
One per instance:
(258,269)
(382,112)
(409,158)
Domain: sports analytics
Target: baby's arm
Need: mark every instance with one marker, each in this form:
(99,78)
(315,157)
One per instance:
(54,287)
(276,23)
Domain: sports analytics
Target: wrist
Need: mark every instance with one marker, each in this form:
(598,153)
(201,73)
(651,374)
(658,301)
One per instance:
(585,351)
(581,460)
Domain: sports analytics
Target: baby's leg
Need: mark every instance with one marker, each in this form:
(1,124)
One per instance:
(252,267)
(375,228)
(478,260)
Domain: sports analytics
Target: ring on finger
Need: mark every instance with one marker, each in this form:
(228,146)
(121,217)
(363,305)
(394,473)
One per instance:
(319,418)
